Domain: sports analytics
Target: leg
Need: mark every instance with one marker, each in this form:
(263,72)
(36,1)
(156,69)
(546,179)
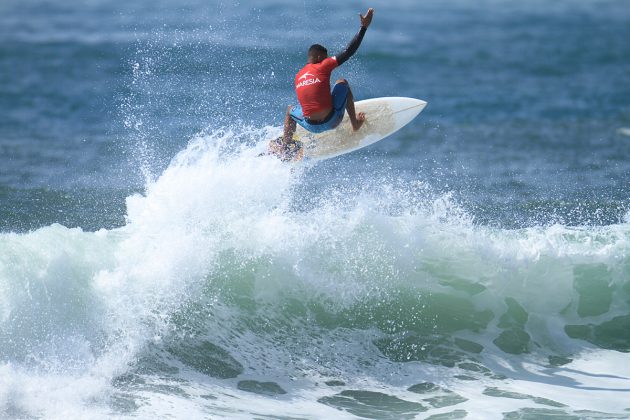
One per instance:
(289,126)
(356,120)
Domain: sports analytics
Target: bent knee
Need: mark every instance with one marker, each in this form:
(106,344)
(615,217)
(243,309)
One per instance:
(342,81)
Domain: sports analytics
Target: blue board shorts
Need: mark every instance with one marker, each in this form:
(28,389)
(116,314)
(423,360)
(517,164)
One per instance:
(339,99)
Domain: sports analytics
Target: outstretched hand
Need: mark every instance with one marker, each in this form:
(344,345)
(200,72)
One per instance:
(367,19)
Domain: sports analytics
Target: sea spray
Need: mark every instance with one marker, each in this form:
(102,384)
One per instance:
(223,285)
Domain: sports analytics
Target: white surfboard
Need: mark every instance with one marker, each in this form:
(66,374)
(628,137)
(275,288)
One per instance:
(384,116)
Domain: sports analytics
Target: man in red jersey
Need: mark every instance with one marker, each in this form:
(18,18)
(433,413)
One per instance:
(320,109)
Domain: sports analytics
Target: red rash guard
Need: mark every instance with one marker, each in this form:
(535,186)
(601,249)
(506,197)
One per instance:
(312,85)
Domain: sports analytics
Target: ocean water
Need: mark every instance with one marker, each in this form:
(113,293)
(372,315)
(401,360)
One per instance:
(475,265)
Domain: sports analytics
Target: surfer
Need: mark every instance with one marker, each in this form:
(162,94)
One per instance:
(319,109)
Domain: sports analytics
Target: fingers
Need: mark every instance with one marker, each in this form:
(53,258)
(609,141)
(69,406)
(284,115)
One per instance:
(365,20)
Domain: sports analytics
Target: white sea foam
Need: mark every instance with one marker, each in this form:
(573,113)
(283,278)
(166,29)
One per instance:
(79,309)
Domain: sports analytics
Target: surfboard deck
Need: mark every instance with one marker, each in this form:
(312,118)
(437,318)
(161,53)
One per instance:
(384,116)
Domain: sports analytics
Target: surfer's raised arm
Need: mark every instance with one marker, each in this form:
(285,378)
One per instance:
(353,46)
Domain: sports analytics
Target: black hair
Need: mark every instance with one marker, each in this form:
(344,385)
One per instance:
(317,49)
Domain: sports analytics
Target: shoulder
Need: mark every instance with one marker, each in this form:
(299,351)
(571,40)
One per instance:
(329,62)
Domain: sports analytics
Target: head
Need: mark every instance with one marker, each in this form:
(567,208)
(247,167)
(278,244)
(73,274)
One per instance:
(317,53)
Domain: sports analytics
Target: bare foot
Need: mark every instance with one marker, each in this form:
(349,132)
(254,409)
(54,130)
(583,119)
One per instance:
(359,122)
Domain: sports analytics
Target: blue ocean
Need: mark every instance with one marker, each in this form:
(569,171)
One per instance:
(475,264)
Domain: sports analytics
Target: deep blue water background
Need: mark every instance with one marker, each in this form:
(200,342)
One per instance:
(527,100)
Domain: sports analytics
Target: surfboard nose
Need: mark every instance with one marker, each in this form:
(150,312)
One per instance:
(406,109)
(401,103)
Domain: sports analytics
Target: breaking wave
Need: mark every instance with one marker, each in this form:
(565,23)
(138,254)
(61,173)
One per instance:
(227,275)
